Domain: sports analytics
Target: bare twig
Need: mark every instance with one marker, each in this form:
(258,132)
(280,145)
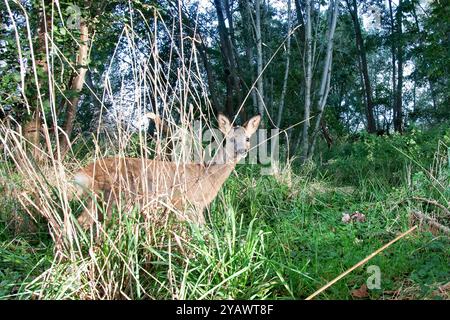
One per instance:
(434,203)
(329,284)
(431,221)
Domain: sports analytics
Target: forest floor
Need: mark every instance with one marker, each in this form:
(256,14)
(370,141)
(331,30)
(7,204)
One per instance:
(267,237)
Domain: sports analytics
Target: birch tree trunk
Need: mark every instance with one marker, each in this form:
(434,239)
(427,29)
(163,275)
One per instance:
(76,86)
(286,72)
(394,68)
(308,76)
(398,108)
(259,59)
(326,74)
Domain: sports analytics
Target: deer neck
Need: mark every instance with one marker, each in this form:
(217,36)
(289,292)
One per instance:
(220,167)
(217,174)
(222,158)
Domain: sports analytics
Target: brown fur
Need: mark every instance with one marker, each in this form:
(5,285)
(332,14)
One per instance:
(188,188)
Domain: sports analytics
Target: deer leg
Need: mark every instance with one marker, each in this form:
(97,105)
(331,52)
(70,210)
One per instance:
(91,213)
(85,220)
(200,216)
(108,204)
(195,215)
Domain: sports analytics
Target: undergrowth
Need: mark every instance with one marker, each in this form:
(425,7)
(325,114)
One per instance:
(267,237)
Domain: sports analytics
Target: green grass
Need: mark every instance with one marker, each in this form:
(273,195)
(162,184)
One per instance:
(267,237)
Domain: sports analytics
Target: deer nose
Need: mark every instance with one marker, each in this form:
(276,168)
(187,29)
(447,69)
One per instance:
(241,151)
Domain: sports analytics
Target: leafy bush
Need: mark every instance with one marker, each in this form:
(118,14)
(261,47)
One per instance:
(383,159)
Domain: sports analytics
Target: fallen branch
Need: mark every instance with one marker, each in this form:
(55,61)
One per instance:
(431,222)
(434,203)
(329,284)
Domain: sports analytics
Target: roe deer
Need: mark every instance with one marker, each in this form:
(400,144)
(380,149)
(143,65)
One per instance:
(188,187)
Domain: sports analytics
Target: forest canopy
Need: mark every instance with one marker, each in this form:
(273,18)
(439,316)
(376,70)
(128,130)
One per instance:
(339,67)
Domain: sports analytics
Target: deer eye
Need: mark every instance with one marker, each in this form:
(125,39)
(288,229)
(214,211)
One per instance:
(248,139)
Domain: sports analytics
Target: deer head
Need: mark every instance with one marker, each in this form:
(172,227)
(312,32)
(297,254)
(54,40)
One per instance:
(237,138)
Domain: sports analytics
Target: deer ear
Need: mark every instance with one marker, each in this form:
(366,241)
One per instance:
(224,123)
(252,124)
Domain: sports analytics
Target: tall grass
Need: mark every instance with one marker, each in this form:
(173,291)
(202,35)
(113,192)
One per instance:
(139,253)
(274,236)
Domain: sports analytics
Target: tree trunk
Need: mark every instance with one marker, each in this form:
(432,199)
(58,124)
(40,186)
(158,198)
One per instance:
(259,60)
(209,76)
(308,78)
(300,19)
(32,129)
(235,70)
(231,35)
(326,74)
(326,134)
(231,75)
(394,68)
(270,96)
(416,20)
(433,94)
(398,110)
(286,71)
(249,40)
(76,86)
(229,107)
(371,125)
(203,51)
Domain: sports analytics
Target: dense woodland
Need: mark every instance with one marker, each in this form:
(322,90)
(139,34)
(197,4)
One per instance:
(358,89)
(340,67)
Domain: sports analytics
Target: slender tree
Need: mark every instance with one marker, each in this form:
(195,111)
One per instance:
(249,39)
(393,57)
(353,10)
(232,79)
(286,70)
(308,80)
(77,82)
(259,59)
(398,107)
(326,74)
(39,83)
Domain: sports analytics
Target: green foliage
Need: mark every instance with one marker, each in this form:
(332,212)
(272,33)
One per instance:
(383,159)
(267,237)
